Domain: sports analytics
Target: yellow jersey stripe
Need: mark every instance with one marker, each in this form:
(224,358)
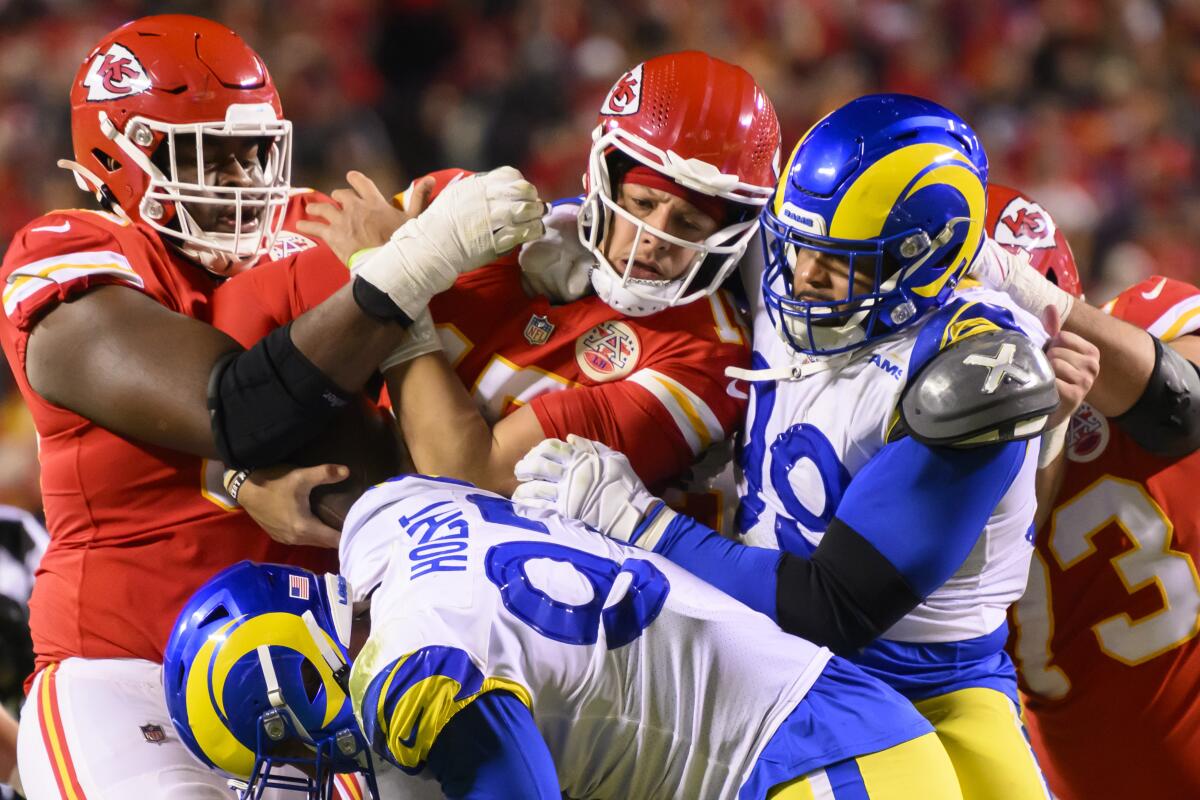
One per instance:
(1180,320)
(692,416)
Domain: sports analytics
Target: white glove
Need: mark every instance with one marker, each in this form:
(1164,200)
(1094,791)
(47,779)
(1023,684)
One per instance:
(558,265)
(594,484)
(469,224)
(997,267)
(419,338)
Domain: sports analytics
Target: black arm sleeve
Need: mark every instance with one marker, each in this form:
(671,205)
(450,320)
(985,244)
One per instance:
(845,595)
(268,401)
(1165,420)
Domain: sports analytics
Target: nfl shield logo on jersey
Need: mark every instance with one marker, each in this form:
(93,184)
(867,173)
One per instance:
(154,734)
(538,330)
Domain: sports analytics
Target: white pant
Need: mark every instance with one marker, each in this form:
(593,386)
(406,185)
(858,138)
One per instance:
(91,728)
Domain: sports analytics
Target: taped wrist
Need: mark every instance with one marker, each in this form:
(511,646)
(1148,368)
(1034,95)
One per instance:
(267,402)
(409,269)
(1035,292)
(421,338)
(1165,420)
(845,595)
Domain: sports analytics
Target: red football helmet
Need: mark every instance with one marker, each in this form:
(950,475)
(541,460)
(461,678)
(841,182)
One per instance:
(155,83)
(1018,223)
(704,124)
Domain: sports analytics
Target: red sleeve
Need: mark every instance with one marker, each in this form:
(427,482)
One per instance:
(623,416)
(674,406)
(251,305)
(1165,307)
(441,179)
(63,254)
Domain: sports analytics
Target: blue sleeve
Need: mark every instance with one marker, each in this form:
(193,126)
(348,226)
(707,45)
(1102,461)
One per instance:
(906,523)
(923,508)
(744,573)
(492,750)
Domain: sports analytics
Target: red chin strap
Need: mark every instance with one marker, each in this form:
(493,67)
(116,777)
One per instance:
(714,207)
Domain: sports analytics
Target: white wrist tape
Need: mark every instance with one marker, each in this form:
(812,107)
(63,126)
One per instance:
(420,338)
(408,269)
(1052,444)
(1032,291)
(650,536)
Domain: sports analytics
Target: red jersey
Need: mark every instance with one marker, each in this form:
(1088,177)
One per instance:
(1106,635)
(653,387)
(135,529)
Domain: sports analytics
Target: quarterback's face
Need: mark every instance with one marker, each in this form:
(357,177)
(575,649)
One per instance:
(824,278)
(226,161)
(651,258)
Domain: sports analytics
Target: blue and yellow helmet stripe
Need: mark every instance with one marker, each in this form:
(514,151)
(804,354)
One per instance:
(894,185)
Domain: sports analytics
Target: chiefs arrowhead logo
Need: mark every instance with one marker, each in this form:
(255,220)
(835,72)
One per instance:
(1024,224)
(625,97)
(114,74)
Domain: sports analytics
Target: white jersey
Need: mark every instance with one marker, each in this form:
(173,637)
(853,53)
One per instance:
(624,659)
(804,440)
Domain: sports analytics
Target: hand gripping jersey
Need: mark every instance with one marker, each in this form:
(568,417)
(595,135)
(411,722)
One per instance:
(1106,635)
(806,439)
(624,659)
(652,387)
(134,528)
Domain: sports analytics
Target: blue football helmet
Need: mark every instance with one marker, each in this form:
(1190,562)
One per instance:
(255,674)
(891,187)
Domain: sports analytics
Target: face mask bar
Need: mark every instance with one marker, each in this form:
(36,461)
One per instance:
(343,751)
(729,242)
(219,251)
(674,291)
(843,324)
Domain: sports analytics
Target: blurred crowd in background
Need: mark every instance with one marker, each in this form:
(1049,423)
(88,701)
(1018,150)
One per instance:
(1090,106)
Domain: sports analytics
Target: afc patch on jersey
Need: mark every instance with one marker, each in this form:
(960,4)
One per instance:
(289,243)
(1024,224)
(114,74)
(625,97)
(1087,436)
(608,351)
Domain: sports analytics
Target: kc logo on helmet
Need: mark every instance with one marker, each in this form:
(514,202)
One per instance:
(625,97)
(114,74)
(1024,224)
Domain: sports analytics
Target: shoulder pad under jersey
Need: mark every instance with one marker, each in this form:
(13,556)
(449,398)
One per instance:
(992,387)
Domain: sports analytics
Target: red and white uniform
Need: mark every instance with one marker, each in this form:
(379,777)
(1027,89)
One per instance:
(1106,635)
(653,387)
(134,528)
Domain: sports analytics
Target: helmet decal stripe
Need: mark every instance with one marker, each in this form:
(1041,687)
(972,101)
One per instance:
(212,735)
(865,205)
(966,181)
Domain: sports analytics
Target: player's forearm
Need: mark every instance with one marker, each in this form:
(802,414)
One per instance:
(445,432)
(343,341)
(8,744)
(1126,358)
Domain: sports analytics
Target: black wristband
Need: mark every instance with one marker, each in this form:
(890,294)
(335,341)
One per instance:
(375,303)
(233,480)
